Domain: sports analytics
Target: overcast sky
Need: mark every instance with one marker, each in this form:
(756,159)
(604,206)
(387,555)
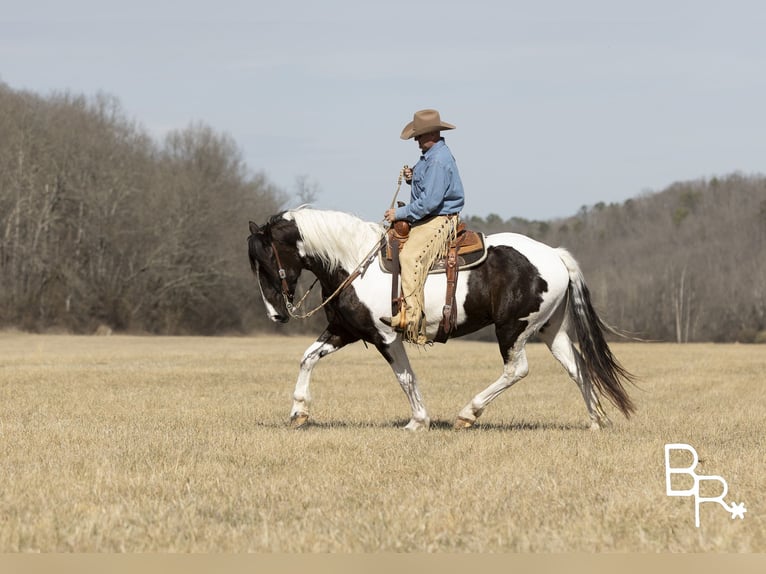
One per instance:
(558,104)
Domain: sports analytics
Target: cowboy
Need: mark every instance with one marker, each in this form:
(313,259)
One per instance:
(435,202)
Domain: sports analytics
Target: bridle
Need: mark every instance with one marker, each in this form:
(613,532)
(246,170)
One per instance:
(292,309)
(281,272)
(360,270)
(286,295)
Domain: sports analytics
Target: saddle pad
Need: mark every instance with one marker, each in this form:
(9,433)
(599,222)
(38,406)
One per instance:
(472,251)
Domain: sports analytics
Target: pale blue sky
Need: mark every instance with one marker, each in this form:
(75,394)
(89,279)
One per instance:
(557,104)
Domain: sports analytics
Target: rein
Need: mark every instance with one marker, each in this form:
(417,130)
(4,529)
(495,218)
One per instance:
(360,269)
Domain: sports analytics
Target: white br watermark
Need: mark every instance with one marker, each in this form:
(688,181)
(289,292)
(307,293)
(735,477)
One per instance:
(736,510)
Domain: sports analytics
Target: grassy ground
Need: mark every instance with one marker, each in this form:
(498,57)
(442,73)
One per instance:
(181,444)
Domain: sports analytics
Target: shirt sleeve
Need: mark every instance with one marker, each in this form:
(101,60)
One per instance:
(429,195)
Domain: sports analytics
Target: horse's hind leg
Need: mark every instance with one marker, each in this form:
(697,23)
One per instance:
(566,353)
(326,343)
(516,368)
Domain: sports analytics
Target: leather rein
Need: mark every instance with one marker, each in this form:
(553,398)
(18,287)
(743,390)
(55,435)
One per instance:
(360,269)
(292,310)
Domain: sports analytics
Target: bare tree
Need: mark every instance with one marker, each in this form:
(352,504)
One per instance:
(100,225)
(683,307)
(306,191)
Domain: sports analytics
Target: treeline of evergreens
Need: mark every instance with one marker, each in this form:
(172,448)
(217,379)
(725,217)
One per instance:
(102,226)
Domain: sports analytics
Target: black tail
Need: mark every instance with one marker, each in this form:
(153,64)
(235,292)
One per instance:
(601,367)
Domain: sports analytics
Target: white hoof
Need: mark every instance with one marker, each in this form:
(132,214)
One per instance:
(299,420)
(415,425)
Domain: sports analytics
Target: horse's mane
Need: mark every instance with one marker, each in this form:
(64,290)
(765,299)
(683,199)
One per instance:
(340,239)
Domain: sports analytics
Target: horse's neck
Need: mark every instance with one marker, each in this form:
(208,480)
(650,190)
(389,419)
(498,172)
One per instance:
(328,278)
(339,244)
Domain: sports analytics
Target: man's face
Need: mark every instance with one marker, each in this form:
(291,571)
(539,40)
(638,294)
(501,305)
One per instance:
(426,141)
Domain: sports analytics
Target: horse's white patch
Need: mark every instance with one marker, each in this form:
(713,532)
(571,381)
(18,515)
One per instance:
(271,312)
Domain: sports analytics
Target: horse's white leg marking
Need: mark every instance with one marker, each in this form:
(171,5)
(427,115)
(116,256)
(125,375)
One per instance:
(299,414)
(514,370)
(409,383)
(567,354)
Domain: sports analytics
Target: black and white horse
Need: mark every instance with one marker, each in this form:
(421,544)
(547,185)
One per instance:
(524,288)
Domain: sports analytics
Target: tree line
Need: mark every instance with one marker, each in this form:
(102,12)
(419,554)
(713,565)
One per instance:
(684,264)
(101,225)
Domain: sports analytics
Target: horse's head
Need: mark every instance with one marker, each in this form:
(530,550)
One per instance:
(276,263)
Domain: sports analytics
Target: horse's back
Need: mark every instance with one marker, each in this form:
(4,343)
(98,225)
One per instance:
(534,250)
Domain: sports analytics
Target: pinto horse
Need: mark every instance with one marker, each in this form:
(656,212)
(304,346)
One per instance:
(523,287)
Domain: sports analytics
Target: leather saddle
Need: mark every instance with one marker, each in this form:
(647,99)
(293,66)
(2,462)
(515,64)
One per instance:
(466,251)
(471,251)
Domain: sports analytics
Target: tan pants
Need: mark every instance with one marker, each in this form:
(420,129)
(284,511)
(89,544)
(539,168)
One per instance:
(428,241)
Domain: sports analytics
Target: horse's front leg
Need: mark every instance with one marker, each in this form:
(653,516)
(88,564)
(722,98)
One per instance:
(397,358)
(326,343)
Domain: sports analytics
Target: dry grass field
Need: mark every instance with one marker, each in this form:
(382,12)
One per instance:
(143,444)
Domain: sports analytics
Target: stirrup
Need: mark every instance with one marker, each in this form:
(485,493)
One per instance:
(397,322)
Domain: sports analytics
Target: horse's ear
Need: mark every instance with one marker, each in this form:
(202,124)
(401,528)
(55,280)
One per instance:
(254,228)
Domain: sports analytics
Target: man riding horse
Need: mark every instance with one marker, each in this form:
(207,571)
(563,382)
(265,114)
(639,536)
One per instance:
(436,199)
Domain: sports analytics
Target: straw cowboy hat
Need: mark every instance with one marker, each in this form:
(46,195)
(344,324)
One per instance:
(425,122)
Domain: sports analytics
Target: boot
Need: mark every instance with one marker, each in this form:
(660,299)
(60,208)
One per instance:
(398,321)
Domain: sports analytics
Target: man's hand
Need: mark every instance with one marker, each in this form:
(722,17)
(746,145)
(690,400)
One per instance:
(408,175)
(390,215)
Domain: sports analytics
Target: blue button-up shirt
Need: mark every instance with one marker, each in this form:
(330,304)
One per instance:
(436,186)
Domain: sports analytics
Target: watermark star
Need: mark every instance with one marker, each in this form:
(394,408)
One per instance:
(737,510)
